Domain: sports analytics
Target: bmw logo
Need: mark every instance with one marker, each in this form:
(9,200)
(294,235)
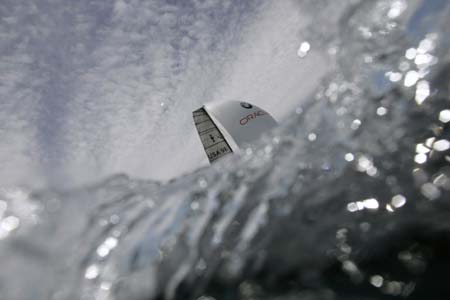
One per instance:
(246,105)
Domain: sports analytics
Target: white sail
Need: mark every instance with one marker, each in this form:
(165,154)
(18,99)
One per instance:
(225,126)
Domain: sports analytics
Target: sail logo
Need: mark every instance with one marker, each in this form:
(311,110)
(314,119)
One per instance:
(246,105)
(252,116)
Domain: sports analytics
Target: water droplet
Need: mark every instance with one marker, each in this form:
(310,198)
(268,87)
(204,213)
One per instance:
(396,9)
(371,203)
(349,157)
(103,251)
(393,288)
(443,181)
(423,59)
(429,142)
(411,78)
(303,49)
(441,145)
(10,223)
(372,171)
(368,59)
(381,111)
(105,285)
(398,201)
(114,219)
(364,163)
(268,149)
(430,191)
(352,207)
(365,32)
(389,208)
(444,116)
(376,280)
(426,45)
(105,248)
(411,53)
(355,124)
(421,148)
(195,205)
(422,91)
(92,272)
(202,183)
(404,66)
(349,266)
(394,76)
(201,265)
(312,137)
(111,242)
(420,158)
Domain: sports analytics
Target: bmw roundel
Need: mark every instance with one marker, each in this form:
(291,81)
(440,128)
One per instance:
(246,105)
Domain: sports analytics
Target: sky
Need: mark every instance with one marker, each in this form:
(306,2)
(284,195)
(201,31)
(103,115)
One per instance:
(92,88)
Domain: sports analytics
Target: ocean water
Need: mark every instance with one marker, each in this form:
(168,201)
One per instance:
(346,199)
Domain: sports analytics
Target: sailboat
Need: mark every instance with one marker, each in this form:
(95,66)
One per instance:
(224,127)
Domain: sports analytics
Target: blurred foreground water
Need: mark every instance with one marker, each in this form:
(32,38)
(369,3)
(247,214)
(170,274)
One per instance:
(347,199)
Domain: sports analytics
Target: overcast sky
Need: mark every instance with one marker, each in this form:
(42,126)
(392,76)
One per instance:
(90,88)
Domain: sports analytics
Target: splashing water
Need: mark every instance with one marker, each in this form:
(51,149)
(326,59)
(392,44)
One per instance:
(347,199)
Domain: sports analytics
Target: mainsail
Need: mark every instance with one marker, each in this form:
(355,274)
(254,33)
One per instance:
(225,126)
